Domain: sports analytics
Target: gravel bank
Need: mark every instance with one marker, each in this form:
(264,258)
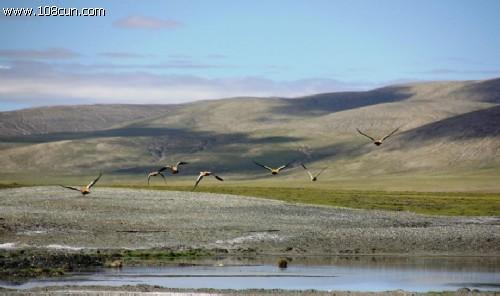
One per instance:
(157,291)
(110,218)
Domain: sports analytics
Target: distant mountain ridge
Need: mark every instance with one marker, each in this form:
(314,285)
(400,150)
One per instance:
(445,127)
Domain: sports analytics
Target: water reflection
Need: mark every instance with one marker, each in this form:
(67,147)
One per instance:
(419,274)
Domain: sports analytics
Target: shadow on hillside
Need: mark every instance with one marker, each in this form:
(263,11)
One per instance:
(232,161)
(471,125)
(127,132)
(238,163)
(335,102)
(487,91)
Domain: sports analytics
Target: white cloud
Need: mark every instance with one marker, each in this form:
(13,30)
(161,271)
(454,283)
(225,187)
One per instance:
(50,53)
(147,23)
(42,84)
(122,55)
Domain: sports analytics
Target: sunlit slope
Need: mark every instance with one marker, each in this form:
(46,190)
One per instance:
(46,120)
(447,128)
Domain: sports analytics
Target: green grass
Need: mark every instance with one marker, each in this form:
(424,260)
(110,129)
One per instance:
(33,263)
(11,185)
(431,203)
(162,254)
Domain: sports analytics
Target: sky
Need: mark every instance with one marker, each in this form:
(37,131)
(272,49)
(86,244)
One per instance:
(163,51)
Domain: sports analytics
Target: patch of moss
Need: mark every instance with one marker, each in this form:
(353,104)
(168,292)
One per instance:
(11,185)
(32,264)
(161,254)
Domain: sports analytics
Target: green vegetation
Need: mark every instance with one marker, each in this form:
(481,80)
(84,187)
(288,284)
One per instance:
(162,254)
(30,264)
(431,203)
(21,264)
(10,185)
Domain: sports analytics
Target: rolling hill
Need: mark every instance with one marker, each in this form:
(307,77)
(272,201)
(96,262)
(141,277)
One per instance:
(448,130)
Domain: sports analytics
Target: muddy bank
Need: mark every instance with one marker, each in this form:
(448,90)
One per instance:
(18,265)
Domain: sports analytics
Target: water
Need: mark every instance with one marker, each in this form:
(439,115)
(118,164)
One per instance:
(355,274)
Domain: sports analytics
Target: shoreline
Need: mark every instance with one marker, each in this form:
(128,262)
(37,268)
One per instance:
(146,290)
(28,264)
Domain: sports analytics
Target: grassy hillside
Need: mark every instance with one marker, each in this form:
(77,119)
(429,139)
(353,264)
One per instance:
(449,131)
(46,120)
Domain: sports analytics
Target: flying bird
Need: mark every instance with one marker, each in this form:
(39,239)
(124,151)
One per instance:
(157,173)
(314,178)
(85,189)
(378,142)
(274,171)
(205,174)
(174,169)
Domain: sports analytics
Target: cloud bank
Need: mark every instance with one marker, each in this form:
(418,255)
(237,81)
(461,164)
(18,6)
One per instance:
(39,83)
(51,53)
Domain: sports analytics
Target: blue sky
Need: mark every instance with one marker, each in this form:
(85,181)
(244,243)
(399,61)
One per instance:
(179,51)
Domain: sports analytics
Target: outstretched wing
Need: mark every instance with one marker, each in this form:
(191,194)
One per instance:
(197,181)
(163,168)
(95,181)
(308,172)
(264,166)
(149,177)
(392,133)
(319,173)
(218,178)
(69,187)
(365,135)
(286,165)
(164,180)
(181,163)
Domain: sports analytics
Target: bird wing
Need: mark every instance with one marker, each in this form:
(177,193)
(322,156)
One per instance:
(319,173)
(149,177)
(163,168)
(198,181)
(181,163)
(72,188)
(392,133)
(95,181)
(264,166)
(308,172)
(281,167)
(286,165)
(218,178)
(365,135)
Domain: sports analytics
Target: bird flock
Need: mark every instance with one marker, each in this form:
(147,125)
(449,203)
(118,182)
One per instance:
(175,168)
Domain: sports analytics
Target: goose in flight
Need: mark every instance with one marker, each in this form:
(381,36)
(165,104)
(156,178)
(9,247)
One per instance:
(378,142)
(205,174)
(314,178)
(274,171)
(157,173)
(85,189)
(174,169)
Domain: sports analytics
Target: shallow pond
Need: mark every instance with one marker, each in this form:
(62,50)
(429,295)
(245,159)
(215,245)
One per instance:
(353,273)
